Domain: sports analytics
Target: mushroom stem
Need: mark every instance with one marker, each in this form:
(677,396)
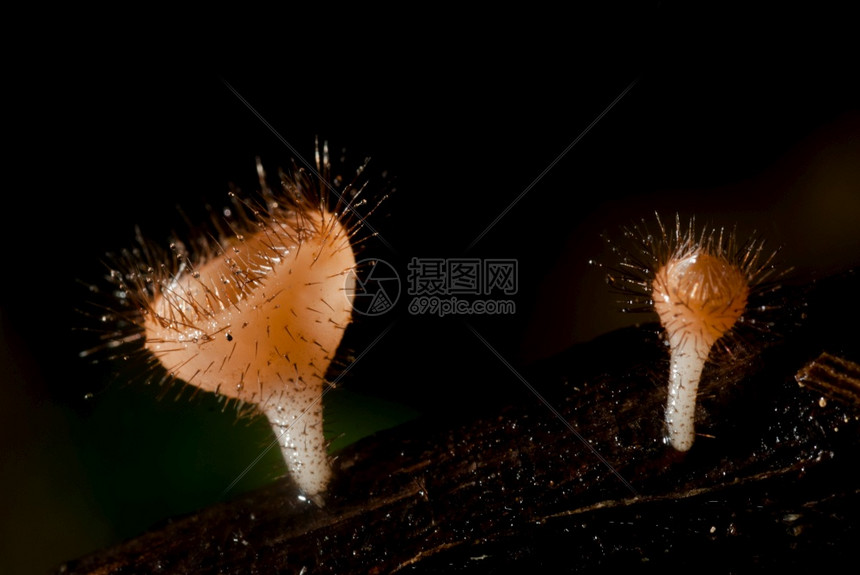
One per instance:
(687,361)
(298,428)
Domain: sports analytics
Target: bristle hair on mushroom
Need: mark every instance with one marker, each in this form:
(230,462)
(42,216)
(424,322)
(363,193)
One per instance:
(708,289)
(254,310)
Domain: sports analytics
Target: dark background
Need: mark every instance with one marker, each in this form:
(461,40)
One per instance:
(733,116)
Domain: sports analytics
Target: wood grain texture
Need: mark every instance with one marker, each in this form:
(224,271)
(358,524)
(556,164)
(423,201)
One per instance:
(771,483)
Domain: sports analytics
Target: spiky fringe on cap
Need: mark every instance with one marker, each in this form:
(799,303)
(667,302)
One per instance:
(137,275)
(645,250)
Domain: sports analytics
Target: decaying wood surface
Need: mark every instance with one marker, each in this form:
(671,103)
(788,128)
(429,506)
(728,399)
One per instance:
(772,481)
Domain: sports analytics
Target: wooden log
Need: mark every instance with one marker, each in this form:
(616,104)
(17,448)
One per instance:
(575,478)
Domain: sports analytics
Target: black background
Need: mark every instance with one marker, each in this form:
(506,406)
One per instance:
(734,116)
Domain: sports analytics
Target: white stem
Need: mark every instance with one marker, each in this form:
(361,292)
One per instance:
(686,364)
(298,427)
